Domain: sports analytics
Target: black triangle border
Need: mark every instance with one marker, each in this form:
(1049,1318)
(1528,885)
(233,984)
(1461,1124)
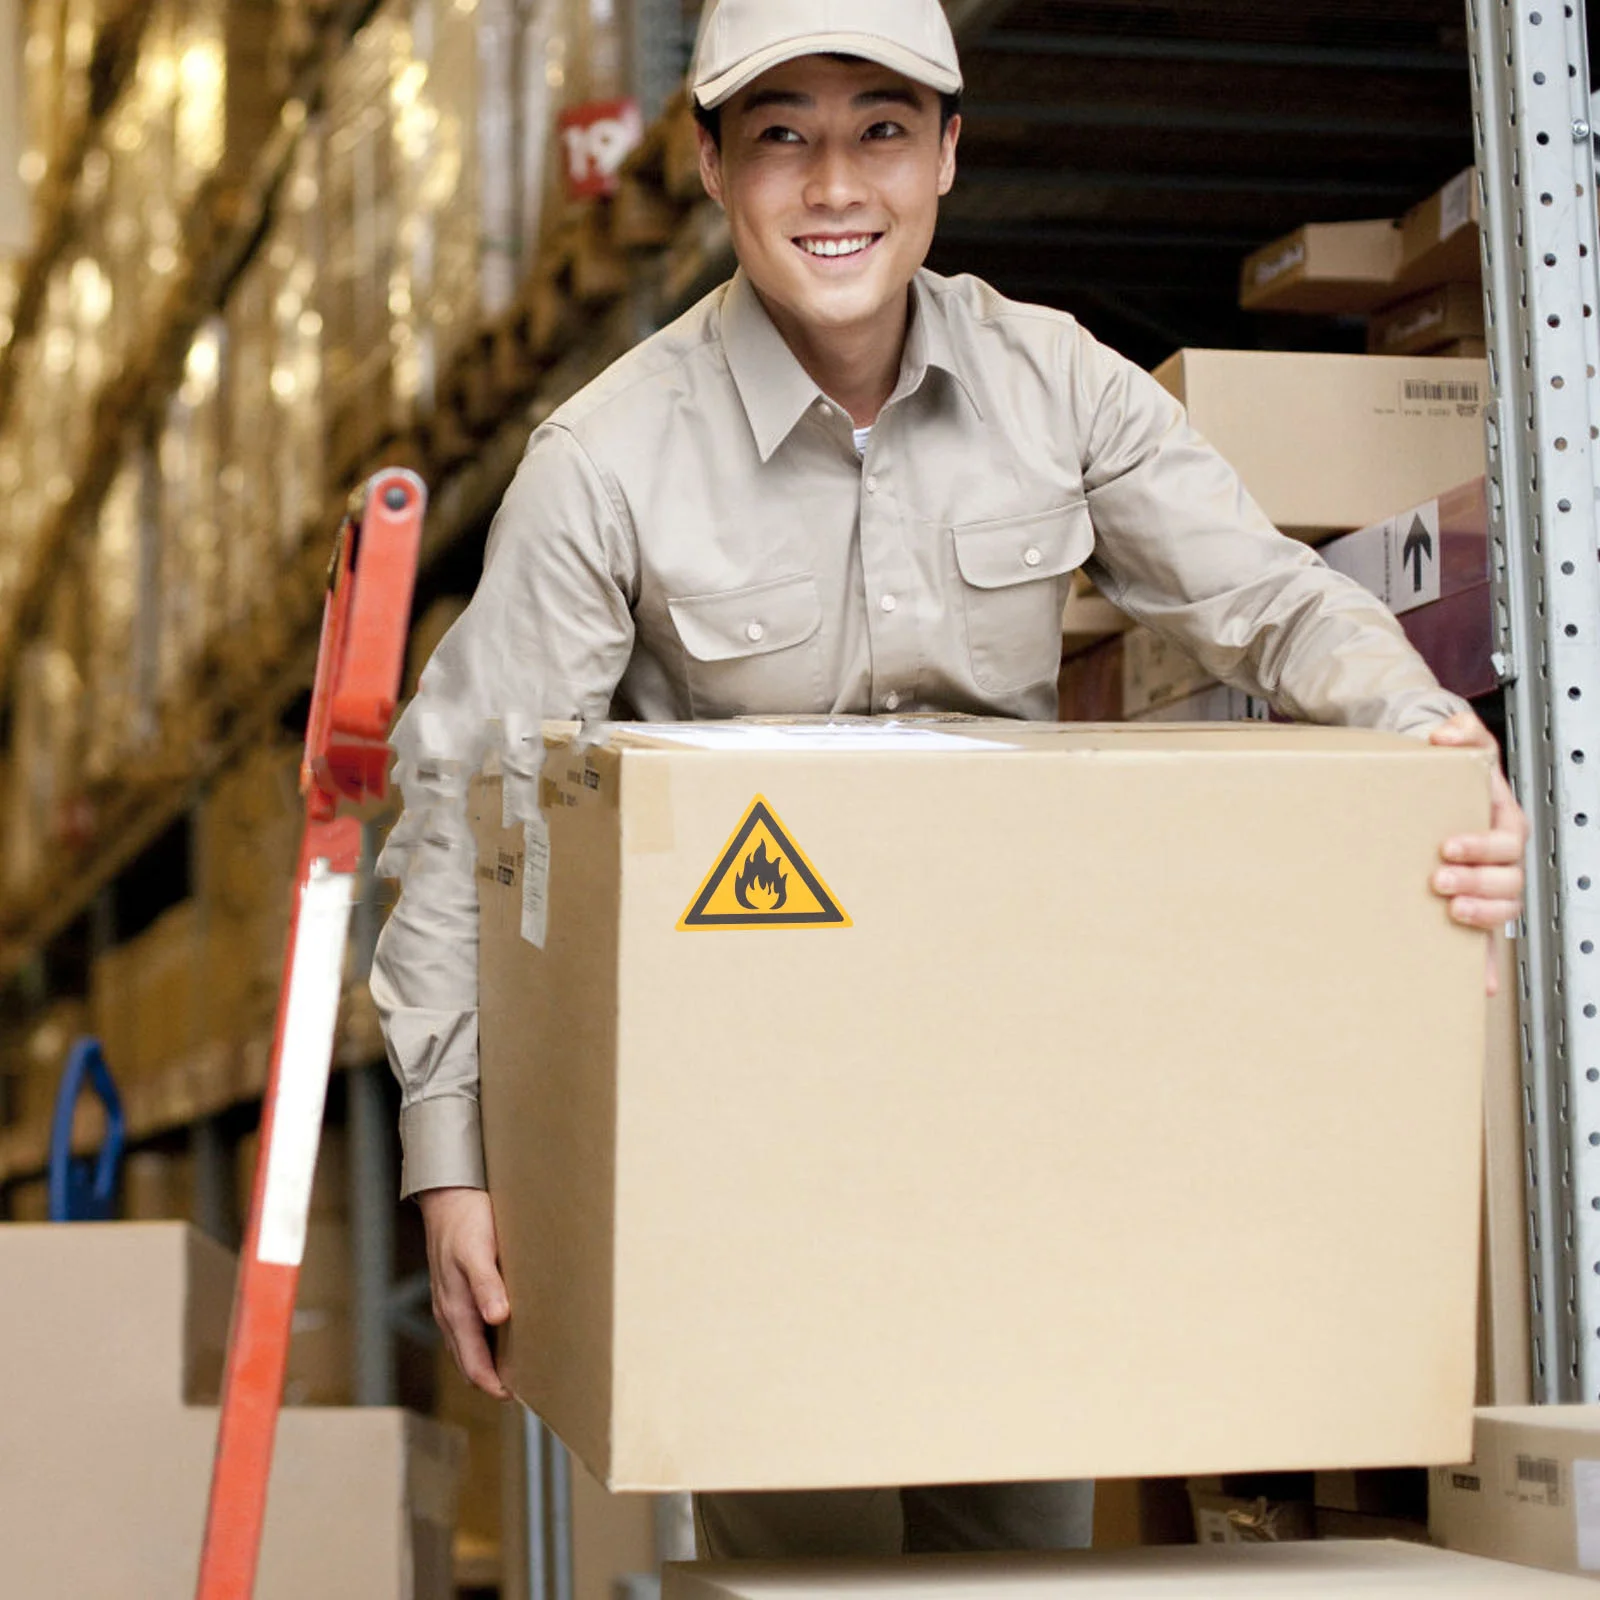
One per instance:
(698,917)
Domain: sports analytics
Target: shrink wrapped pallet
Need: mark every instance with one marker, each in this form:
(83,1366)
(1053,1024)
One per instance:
(294,252)
(361,255)
(123,621)
(191,563)
(248,567)
(47,727)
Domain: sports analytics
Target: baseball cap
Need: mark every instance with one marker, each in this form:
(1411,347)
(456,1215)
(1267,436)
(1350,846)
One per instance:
(741,39)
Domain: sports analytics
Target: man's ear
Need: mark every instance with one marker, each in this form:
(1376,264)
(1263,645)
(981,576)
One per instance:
(947,155)
(710,164)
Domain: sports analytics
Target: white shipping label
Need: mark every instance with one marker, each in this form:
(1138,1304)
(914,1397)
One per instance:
(1455,203)
(1586,1506)
(535,879)
(1413,559)
(316,972)
(1363,556)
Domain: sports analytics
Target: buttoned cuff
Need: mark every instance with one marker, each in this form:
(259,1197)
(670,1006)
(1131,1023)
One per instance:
(442,1141)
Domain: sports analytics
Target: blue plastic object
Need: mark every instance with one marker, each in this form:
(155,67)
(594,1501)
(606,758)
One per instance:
(84,1188)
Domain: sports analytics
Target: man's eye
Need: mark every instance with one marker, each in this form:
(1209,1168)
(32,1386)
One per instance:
(884,130)
(777,134)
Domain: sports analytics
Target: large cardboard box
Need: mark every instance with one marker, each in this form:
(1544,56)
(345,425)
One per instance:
(868,1063)
(1327,267)
(1296,1571)
(1531,1492)
(1327,443)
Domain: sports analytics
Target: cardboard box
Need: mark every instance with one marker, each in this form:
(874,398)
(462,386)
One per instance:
(115,1336)
(1531,1492)
(804,1163)
(1089,688)
(1430,565)
(1088,617)
(1326,443)
(1439,236)
(1326,267)
(1428,322)
(145,996)
(1156,672)
(1303,1571)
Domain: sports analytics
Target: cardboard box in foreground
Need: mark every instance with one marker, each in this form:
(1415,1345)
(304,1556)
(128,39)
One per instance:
(1531,1492)
(828,1070)
(1365,1570)
(1330,442)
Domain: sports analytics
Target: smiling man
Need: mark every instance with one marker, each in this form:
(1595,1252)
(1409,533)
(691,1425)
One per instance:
(842,484)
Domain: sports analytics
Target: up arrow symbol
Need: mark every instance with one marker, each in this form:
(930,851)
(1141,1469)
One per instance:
(1417,549)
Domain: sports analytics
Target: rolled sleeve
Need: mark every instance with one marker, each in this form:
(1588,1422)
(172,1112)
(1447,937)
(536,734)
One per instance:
(1183,549)
(548,634)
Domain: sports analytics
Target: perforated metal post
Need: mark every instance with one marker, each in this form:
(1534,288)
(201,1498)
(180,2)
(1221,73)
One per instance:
(1536,176)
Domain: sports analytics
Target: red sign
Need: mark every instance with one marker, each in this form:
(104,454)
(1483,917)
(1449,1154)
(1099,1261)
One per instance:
(596,139)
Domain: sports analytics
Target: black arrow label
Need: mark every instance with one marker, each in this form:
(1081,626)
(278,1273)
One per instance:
(1417,549)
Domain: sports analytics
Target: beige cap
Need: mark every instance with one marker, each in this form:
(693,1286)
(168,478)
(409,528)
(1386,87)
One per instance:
(741,39)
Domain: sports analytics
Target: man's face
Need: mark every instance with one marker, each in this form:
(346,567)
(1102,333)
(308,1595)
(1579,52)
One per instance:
(830,173)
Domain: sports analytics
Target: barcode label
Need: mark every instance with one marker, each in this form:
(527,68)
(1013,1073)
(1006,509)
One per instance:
(1457,393)
(1539,1480)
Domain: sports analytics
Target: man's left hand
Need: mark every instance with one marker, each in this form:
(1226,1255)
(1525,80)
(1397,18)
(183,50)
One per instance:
(1482,876)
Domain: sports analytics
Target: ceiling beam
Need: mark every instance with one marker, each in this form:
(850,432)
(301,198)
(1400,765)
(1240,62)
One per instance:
(1226,52)
(1182,119)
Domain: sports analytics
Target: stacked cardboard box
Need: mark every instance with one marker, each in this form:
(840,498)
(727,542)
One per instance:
(115,1337)
(1417,277)
(1529,1492)
(145,999)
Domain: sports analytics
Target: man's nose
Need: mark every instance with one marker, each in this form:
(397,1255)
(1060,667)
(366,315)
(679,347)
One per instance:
(834,181)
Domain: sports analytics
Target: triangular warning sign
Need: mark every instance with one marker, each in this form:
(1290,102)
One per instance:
(762,881)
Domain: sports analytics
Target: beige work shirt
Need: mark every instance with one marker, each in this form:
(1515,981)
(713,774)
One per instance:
(694,536)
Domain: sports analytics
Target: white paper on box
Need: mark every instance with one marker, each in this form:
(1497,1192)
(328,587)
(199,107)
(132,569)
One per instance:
(828,736)
(1586,1504)
(1455,203)
(535,879)
(1413,559)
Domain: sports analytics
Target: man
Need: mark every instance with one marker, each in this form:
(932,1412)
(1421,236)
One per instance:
(841,483)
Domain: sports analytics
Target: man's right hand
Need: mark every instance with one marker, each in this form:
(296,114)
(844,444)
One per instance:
(464,1269)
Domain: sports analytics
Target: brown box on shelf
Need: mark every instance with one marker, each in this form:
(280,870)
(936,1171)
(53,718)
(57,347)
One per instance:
(1325,267)
(1221,1518)
(1428,322)
(1430,565)
(1326,443)
(1088,617)
(1439,236)
(1089,688)
(145,996)
(764,1366)
(1308,1570)
(1528,1493)
(1156,673)
(115,1336)
(36,1057)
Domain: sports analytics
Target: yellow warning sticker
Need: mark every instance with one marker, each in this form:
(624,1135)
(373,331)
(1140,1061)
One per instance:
(762,881)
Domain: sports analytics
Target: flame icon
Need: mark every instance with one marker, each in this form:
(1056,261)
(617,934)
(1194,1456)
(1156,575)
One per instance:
(761,875)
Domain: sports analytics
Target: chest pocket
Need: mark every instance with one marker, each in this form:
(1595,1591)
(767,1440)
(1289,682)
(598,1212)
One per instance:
(1015,576)
(754,650)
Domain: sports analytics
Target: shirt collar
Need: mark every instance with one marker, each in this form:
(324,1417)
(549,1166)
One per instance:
(776,390)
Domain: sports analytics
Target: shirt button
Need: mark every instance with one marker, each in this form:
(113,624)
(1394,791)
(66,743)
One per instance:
(1032,556)
(888,603)
(826,410)
(872,485)
(891,701)
(755,633)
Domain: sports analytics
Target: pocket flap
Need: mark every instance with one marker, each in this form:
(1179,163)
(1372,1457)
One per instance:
(748,622)
(994,555)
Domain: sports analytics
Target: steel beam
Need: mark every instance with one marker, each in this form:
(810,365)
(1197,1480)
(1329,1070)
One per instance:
(1536,176)
(1111,47)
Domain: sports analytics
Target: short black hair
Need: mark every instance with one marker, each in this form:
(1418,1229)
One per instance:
(711,119)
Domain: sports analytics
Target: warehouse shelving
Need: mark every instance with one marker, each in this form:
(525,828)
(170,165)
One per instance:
(1074,238)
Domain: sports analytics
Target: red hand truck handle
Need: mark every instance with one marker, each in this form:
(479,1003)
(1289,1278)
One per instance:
(364,623)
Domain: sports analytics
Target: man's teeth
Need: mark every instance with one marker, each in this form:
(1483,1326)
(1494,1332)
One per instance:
(836,247)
